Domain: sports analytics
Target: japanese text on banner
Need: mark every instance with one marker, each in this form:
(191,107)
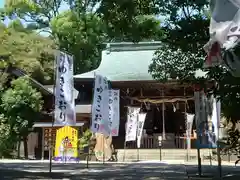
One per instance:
(100,113)
(114,111)
(64,100)
(141,120)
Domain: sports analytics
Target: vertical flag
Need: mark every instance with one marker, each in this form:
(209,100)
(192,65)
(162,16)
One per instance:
(216,110)
(207,120)
(190,118)
(131,126)
(100,112)
(141,120)
(114,118)
(64,99)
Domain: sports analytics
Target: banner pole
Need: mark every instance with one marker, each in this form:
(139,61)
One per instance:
(137,138)
(163,117)
(124,151)
(103,143)
(218,109)
(197,118)
(53,114)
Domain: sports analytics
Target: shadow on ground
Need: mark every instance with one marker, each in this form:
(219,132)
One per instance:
(10,174)
(95,172)
(150,171)
(212,172)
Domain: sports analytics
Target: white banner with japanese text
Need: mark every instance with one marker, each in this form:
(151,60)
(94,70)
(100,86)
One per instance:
(100,110)
(114,116)
(131,126)
(64,100)
(140,124)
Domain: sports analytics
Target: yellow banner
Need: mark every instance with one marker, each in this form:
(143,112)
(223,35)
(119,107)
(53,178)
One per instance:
(66,144)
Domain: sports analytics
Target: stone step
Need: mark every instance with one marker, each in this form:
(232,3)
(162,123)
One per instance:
(154,154)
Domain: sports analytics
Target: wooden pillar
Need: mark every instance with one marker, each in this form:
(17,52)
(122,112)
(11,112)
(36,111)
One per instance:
(43,143)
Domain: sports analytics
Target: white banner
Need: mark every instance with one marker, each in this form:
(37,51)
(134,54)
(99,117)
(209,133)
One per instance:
(100,112)
(131,126)
(207,126)
(64,100)
(114,96)
(190,118)
(216,110)
(224,35)
(141,120)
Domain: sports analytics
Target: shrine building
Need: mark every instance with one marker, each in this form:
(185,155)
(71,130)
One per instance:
(126,67)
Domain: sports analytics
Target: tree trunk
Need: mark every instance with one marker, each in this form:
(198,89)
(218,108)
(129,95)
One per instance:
(25,144)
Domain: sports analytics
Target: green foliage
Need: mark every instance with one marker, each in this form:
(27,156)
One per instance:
(27,50)
(164,63)
(186,32)
(84,141)
(186,24)
(82,30)
(80,38)
(21,105)
(7,140)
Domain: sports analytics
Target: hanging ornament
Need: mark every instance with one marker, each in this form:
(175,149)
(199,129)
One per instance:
(177,106)
(174,108)
(147,105)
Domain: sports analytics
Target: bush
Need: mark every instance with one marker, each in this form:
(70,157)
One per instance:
(85,140)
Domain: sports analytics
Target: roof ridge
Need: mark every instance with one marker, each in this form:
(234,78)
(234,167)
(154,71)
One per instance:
(130,46)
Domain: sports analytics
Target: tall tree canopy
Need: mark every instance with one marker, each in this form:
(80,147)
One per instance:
(27,50)
(88,24)
(186,32)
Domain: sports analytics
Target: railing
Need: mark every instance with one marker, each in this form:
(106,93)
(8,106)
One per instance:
(146,143)
(151,142)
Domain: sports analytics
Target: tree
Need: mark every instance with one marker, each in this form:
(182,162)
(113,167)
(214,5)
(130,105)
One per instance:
(186,24)
(166,58)
(89,24)
(7,141)
(21,106)
(27,50)
(83,43)
(186,32)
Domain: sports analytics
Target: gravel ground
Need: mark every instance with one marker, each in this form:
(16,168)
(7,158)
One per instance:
(152,171)
(131,171)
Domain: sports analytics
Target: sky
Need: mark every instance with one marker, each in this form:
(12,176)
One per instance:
(1,3)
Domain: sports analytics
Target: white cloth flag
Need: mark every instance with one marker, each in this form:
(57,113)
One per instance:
(216,119)
(64,100)
(100,112)
(141,120)
(225,34)
(190,118)
(131,126)
(114,118)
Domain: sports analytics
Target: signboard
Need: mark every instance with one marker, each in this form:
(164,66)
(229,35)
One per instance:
(100,112)
(64,99)
(131,126)
(141,120)
(66,144)
(114,118)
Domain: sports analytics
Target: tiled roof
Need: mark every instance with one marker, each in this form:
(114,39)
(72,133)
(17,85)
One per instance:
(126,62)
